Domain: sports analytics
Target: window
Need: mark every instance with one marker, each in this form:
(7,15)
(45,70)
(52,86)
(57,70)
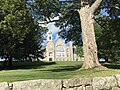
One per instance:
(50,53)
(49,37)
(67,50)
(59,48)
(67,55)
(60,51)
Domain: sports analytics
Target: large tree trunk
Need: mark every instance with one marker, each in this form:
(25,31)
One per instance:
(86,14)
(88,37)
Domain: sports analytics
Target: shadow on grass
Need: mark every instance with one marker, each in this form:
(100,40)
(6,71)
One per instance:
(27,65)
(112,65)
(63,68)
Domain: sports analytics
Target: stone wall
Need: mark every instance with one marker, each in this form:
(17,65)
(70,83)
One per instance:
(97,83)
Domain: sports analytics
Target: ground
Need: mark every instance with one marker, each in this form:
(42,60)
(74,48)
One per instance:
(54,70)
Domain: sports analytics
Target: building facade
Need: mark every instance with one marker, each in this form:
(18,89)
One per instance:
(59,51)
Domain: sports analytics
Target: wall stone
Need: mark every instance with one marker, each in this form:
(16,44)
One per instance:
(38,85)
(89,88)
(97,83)
(104,83)
(118,79)
(75,88)
(115,88)
(77,82)
(4,86)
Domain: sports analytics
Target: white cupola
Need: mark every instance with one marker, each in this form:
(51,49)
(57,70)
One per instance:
(49,36)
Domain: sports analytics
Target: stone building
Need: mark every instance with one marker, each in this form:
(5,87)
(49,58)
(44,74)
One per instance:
(59,51)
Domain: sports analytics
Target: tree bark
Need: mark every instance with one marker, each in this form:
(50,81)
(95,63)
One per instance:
(86,14)
(88,37)
(95,5)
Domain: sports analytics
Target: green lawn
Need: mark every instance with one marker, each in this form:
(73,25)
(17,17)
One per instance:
(53,70)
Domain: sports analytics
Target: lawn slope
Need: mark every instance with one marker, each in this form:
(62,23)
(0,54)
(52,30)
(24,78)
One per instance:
(53,70)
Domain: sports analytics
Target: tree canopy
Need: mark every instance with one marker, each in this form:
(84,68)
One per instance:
(20,35)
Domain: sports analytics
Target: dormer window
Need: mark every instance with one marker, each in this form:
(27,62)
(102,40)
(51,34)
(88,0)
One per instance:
(49,37)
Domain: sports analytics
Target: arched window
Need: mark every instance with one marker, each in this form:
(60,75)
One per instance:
(59,51)
(50,53)
(59,48)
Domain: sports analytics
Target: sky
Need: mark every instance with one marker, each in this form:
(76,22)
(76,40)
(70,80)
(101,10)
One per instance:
(51,27)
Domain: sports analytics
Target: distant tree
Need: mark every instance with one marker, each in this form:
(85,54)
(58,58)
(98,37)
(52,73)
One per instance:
(20,35)
(79,51)
(108,38)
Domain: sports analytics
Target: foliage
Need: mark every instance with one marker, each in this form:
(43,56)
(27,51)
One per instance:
(70,28)
(79,51)
(108,38)
(20,35)
(112,7)
(44,10)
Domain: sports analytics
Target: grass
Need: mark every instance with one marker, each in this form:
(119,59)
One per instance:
(53,70)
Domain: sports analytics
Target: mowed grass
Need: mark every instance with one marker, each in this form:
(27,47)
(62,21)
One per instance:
(54,70)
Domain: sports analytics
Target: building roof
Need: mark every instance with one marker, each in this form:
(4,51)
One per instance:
(67,44)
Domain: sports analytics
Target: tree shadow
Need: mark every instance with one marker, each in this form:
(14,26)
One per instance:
(26,65)
(112,65)
(63,68)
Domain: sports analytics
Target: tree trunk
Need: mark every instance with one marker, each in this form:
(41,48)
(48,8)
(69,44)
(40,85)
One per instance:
(88,37)
(10,62)
(106,58)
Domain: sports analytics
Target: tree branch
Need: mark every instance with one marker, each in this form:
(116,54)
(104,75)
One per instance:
(95,5)
(46,22)
(60,17)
